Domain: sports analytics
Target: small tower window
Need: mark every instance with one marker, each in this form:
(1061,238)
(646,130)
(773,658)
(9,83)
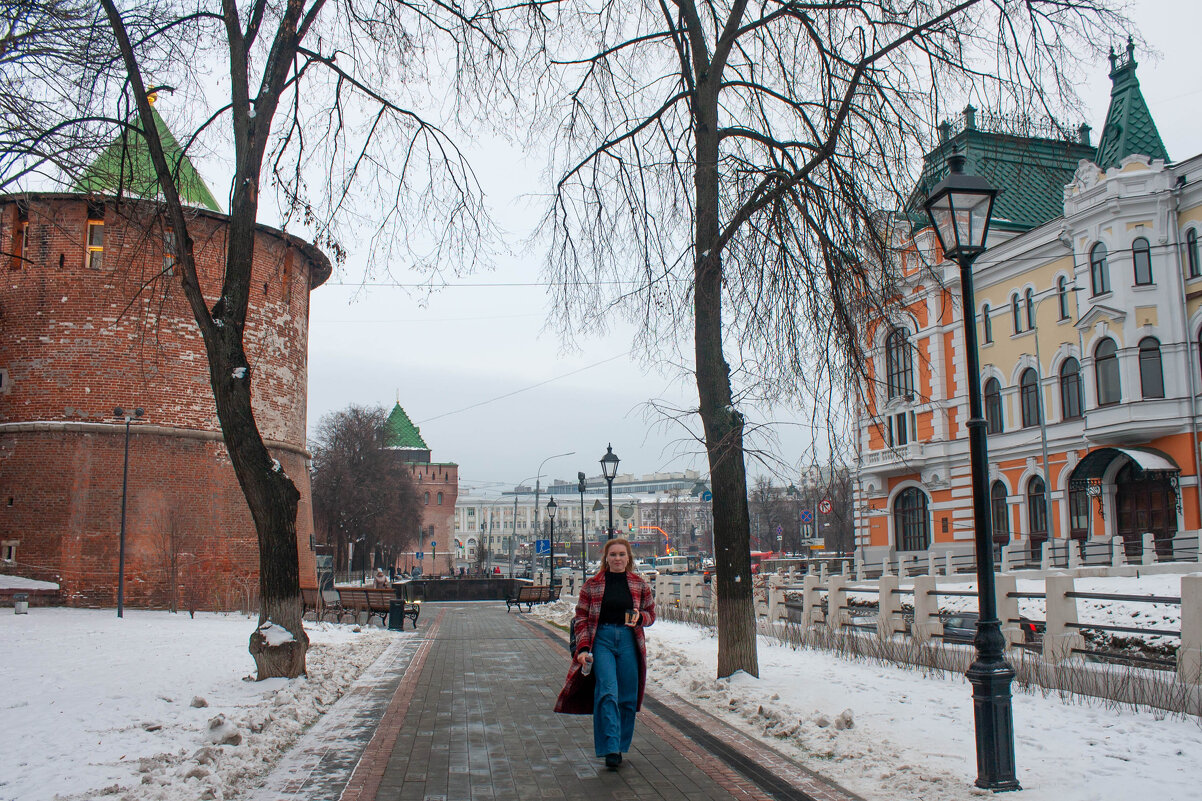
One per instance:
(1016,314)
(95,255)
(1062,296)
(1141,257)
(1099,272)
(986,323)
(1030,309)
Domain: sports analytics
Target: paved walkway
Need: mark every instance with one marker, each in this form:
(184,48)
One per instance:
(462,711)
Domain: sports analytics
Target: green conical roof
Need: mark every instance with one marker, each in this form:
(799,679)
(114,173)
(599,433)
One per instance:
(1129,129)
(125,167)
(399,432)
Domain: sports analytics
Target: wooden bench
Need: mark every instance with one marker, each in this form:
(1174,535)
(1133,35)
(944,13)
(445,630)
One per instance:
(374,603)
(530,595)
(311,601)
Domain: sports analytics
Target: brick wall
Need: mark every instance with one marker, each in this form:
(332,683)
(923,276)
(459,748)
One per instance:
(431,480)
(75,341)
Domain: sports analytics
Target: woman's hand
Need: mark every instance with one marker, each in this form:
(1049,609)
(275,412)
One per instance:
(581,658)
(633,616)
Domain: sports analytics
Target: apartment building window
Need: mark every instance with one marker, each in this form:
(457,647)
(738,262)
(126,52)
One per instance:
(1016,314)
(1000,511)
(986,324)
(899,364)
(1072,402)
(1106,369)
(1141,259)
(1030,296)
(911,520)
(1191,253)
(95,254)
(1029,393)
(1078,512)
(1062,296)
(1151,371)
(993,406)
(1037,510)
(1099,272)
(901,429)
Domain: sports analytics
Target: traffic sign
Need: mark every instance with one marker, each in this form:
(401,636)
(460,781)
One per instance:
(420,556)
(824,506)
(807,516)
(542,546)
(707,496)
(433,544)
(779,530)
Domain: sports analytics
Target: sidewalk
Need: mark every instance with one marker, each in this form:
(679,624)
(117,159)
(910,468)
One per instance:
(463,712)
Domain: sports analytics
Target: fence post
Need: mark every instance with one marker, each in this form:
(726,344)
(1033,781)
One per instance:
(811,613)
(1061,637)
(927,623)
(1149,555)
(1007,608)
(1007,558)
(776,598)
(1118,552)
(858,559)
(836,600)
(932,563)
(1074,554)
(1189,655)
(1045,555)
(888,619)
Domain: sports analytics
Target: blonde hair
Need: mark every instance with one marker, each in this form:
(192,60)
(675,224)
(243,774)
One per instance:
(625,543)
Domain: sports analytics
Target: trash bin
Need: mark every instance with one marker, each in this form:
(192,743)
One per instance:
(396,615)
(20,603)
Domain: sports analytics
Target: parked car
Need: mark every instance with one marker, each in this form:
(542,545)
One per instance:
(962,627)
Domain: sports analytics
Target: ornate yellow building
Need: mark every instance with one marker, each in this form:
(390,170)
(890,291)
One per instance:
(1090,329)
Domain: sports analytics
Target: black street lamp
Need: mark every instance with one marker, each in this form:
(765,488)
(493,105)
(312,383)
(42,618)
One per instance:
(609,466)
(552,507)
(960,207)
(119,412)
(583,541)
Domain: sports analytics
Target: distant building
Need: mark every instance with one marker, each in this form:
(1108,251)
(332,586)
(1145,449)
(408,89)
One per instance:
(437,493)
(1090,330)
(92,318)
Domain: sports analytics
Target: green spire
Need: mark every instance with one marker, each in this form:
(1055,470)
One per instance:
(1129,127)
(400,433)
(125,165)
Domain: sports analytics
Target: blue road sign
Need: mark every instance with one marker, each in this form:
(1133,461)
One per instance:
(807,516)
(707,496)
(420,556)
(542,546)
(433,544)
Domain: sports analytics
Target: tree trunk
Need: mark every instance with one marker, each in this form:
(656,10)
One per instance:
(722,423)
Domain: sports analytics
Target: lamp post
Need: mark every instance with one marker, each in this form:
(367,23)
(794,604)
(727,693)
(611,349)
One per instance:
(552,507)
(583,540)
(119,412)
(960,207)
(537,479)
(609,467)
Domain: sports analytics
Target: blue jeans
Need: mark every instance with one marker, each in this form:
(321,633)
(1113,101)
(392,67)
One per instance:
(616,666)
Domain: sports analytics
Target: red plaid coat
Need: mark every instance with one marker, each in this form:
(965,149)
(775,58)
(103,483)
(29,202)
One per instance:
(576,697)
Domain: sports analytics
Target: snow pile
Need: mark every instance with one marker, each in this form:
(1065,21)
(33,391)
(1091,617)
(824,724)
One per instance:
(8,582)
(154,706)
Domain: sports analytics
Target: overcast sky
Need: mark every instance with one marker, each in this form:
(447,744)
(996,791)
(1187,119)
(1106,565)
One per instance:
(496,393)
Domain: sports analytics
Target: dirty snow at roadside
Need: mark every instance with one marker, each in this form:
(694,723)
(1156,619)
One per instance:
(154,705)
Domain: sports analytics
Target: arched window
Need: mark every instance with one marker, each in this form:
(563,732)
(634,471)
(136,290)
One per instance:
(1099,273)
(1030,309)
(440,499)
(911,520)
(427,499)
(1029,392)
(1037,510)
(1072,402)
(1141,258)
(1191,253)
(1000,512)
(1062,296)
(986,323)
(1078,513)
(1106,370)
(899,365)
(1151,372)
(993,406)
(1016,314)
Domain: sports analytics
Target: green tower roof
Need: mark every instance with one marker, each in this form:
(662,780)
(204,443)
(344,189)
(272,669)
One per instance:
(399,432)
(1129,129)
(125,167)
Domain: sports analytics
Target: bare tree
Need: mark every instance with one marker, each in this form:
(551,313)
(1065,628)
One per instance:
(362,490)
(168,544)
(724,165)
(315,118)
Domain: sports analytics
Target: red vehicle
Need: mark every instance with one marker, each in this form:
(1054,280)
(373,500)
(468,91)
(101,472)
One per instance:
(756,558)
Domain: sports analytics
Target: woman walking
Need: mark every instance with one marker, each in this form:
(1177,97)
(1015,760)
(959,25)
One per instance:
(614,607)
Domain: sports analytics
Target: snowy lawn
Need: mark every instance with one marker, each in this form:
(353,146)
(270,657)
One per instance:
(897,734)
(139,708)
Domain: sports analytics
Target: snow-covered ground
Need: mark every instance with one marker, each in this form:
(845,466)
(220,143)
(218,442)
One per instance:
(905,734)
(138,708)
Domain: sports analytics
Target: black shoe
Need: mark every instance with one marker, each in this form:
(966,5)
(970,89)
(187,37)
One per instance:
(613,760)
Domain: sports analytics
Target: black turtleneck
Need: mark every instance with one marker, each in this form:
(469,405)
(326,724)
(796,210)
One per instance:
(617,599)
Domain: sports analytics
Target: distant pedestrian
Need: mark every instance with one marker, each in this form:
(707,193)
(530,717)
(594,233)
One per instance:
(381,579)
(614,607)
